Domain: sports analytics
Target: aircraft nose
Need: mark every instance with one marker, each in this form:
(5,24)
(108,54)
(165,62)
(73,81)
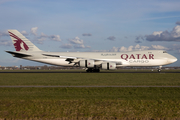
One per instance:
(172,60)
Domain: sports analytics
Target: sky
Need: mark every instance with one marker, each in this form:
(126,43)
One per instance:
(91,25)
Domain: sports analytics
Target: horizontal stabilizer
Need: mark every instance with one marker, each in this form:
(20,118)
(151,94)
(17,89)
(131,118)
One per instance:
(17,54)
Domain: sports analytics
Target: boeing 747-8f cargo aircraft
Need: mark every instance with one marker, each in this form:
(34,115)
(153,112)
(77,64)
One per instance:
(92,61)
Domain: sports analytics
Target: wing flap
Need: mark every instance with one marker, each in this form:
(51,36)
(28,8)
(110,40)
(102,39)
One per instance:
(50,55)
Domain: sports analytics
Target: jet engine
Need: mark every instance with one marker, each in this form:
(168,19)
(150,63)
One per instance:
(86,63)
(108,66)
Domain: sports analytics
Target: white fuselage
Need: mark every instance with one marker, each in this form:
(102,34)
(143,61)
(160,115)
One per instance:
(135,58)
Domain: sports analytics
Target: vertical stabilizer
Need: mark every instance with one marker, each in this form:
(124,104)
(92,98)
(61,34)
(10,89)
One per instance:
(20,42)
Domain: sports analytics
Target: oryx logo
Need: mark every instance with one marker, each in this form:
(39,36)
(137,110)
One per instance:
(18,43)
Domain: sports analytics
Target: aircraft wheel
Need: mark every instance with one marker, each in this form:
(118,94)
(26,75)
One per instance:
(96,70)
(93,70)
(159,70)
(89,70)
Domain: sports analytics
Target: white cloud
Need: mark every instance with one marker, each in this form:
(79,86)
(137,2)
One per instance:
(112,38)
(169,36)
(76,43)
(86,34)
(41,40)
(43,37)
(55,37)
(130,48)
(173,35)
(176,32)
(138,47)
(5,43)
(76,40)
(157,33)
(115,49)
(66,46)
(144,48)
(81,46)
(159,47)
(100,50)
(34,30)
(122,49)
(24,33)
(5,33)
(139,39)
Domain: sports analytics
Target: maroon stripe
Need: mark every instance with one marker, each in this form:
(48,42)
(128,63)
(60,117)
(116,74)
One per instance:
(14,36)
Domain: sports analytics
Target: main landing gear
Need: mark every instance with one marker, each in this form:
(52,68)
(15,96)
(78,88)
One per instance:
(92,70)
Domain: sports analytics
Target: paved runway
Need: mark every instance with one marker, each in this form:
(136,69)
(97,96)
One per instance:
(34,86)
(86,72)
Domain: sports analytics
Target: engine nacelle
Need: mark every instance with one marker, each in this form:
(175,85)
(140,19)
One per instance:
(86,63)
(108,66)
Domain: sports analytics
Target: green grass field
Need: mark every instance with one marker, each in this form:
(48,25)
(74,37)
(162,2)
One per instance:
(94,79)
(26,103)
(90,103)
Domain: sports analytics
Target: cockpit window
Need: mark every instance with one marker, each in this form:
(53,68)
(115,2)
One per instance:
(164,52)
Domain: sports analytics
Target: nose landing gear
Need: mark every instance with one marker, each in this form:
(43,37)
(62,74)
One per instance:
(159,69)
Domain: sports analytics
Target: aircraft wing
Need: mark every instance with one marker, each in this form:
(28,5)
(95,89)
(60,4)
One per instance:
(52,55)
